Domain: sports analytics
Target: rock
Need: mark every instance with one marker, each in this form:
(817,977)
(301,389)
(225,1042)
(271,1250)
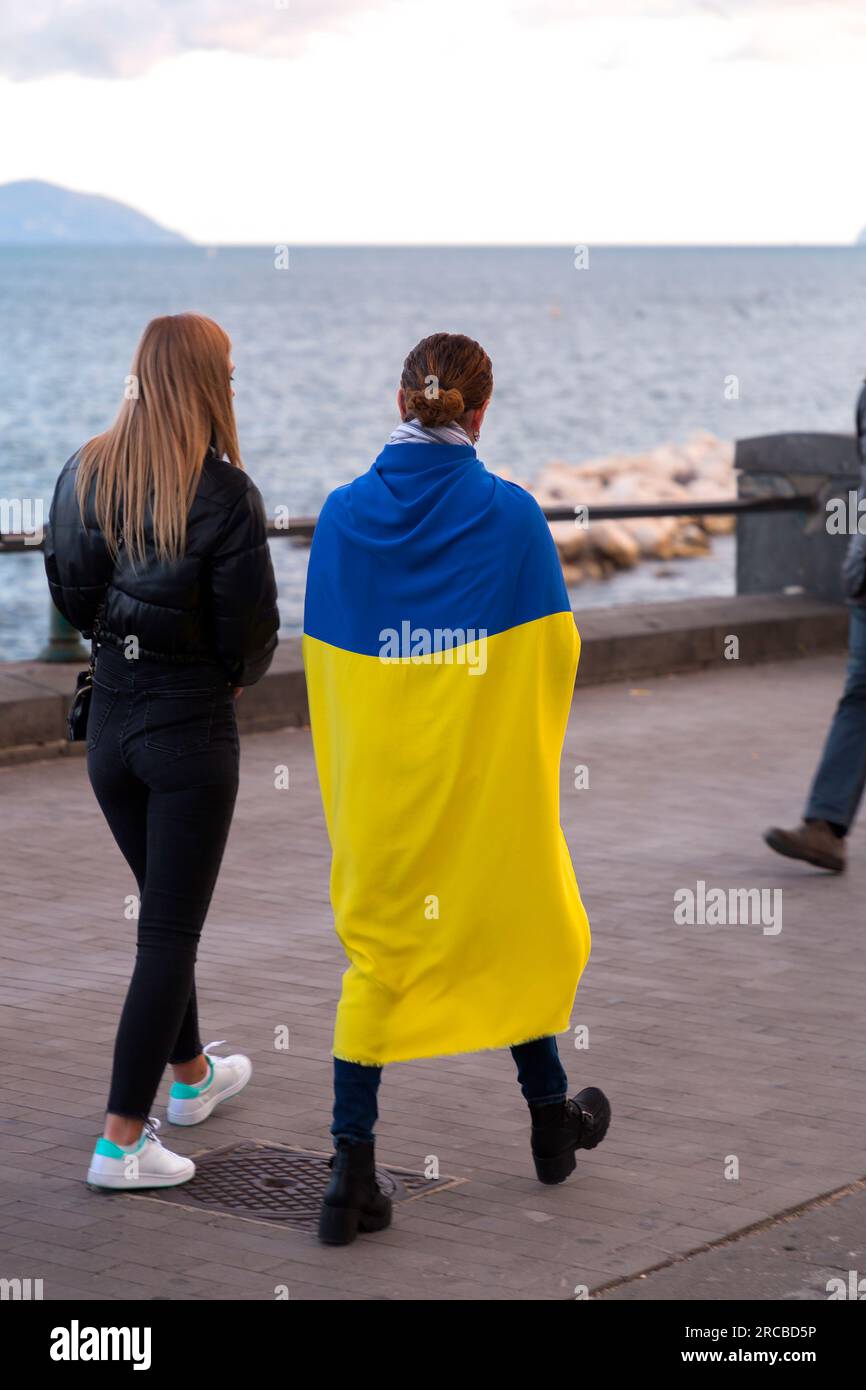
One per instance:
(718,525)
(691,540)
(655,536)
(572,540)
(614,542)
(700,469)
(573,574)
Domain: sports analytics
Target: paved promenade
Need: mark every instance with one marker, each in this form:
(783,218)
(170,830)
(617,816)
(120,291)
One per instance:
(720,1046)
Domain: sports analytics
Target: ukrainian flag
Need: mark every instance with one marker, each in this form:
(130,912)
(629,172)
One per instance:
(441,652)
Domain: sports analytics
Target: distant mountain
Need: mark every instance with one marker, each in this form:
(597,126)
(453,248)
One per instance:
(33,213)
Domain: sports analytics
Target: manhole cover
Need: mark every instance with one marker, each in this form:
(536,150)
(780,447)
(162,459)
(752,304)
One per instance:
(273,1182)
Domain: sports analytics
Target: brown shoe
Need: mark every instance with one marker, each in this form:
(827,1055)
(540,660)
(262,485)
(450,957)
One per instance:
(814,841)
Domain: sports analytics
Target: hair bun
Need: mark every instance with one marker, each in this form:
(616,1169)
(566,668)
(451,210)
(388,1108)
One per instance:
(432,410)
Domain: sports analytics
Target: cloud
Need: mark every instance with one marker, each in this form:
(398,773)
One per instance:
(104,38)
(545,10)
(768,30)
(124,38)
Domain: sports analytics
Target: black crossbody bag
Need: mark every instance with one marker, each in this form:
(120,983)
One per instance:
(76,720)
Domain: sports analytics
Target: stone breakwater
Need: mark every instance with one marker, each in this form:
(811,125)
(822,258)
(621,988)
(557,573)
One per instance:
(701,469)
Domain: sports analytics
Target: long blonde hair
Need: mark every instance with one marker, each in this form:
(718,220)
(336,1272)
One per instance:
(177,402)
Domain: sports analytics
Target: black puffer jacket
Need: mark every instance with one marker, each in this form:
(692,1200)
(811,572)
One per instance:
(854,571)
(218,602)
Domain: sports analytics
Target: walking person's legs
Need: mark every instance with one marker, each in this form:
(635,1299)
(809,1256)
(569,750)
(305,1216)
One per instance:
(837,789)
(356,1101)
(540,1072)
(839,781)
(353,1201)
(559,1126)
(123,800)
(170,807)
(187,829)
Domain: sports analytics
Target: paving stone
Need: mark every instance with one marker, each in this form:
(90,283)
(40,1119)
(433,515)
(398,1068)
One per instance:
(713,1042)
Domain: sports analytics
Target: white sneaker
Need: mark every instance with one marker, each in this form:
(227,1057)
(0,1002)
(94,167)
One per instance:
(189,1105)
(146,1163)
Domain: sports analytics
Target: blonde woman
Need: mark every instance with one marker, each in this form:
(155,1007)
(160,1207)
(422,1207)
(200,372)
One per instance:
(157,544)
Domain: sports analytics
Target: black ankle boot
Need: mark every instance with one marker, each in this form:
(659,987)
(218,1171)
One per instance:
(353,1201)
(559,1130)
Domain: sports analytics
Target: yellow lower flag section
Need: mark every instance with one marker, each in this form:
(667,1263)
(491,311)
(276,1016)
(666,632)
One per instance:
(452,887)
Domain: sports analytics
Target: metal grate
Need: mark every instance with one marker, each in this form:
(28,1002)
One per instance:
(276,1183)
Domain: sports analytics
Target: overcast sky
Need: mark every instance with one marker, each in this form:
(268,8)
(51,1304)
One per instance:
(561,121)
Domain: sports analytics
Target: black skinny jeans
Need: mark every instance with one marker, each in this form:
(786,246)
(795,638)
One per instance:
(162,754)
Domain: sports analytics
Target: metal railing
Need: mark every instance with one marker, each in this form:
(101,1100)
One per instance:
(64,643)
(302,527)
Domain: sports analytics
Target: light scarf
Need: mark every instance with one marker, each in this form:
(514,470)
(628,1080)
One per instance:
(413,432)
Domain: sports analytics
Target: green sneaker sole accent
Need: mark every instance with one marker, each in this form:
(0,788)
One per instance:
(181,1091)
(107,1149)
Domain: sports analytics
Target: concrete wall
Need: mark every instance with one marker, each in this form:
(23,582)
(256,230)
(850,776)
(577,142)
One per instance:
(619,644)
(780,550)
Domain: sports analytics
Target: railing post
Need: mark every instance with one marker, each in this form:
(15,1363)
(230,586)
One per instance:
(778,552)
(64,643)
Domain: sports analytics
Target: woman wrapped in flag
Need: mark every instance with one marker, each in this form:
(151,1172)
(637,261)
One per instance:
(441,653)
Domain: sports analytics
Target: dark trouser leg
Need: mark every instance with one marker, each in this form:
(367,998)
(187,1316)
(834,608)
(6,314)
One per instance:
(188,1043)
(353,1200)
(186,834)
(123,800)
(356,1107)
(841,776)
(540,1073)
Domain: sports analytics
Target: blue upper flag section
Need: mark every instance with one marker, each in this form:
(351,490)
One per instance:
(427,537)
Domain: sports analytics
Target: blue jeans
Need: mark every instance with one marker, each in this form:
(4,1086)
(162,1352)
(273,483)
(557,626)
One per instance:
(540,1073)
(841,776)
